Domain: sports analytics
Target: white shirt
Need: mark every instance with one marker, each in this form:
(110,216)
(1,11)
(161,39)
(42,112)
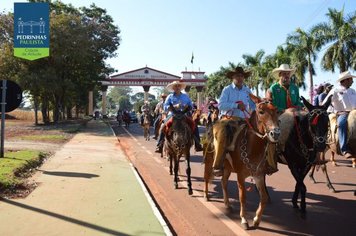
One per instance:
(343,99)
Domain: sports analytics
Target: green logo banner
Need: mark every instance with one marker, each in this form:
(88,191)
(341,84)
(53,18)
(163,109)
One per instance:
(31,30)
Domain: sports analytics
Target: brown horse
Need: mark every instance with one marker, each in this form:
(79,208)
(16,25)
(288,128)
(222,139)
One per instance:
(178,141)
(146,126)
(246,144)
(196,116)
(126,118)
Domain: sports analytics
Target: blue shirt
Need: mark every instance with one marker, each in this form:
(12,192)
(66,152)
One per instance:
(230,95)
(174,99)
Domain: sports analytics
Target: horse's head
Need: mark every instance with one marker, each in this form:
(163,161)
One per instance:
(181,132)
(214,115)
(318,120)
(266,118)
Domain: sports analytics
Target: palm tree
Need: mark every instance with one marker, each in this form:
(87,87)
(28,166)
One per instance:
(303,48)
(254,64)
(339,34)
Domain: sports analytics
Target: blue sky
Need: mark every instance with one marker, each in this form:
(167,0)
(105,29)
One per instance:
(162,34)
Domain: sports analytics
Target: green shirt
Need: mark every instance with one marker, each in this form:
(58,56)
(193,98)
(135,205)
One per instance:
(279,96)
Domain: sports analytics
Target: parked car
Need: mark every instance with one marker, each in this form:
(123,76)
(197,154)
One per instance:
(133,117)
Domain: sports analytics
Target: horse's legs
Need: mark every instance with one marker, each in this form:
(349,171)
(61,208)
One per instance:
(296,175)
(261,186)
(188,172)
(303,192)
(328,182)
(176,167)
(332,158)
(208,171)
(224,182)
(311,174)
(170,164)
(242,197)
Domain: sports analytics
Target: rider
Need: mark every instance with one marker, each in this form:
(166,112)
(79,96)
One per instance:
(159,111)
(212,106)
(343,101)
(145,109)
(235,100)
(283,93)
(179,100)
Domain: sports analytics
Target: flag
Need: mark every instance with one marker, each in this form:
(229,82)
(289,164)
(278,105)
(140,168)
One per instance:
(191,60)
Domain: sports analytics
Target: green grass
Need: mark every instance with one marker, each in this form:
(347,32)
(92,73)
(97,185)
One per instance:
(50,137)
(15,164)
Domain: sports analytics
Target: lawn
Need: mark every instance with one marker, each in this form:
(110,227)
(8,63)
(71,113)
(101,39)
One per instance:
(16,165)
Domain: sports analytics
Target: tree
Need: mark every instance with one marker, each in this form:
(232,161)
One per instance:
(254,64)
(303,47)
(339,37)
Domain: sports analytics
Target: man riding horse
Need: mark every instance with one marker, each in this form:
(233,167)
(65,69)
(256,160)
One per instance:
(343,101)
(179,101)
(145,109)
(159,111)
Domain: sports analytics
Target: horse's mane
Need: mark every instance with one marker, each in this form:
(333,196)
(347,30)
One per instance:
(287,124)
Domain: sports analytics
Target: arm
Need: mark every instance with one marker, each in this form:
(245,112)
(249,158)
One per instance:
(224,103)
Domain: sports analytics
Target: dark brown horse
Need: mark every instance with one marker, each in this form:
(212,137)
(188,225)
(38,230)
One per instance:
(306,140)
(333,145)
(126,118)
(246,144)
(178,141)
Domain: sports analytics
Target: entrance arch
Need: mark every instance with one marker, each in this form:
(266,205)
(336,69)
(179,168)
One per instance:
(147,77)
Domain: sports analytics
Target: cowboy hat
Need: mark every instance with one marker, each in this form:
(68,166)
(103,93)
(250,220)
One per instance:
(345,75)
(238,71)
(163,95)
(282,67)
(174,83)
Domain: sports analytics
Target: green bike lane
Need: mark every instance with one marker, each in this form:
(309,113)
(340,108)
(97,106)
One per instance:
(87,188)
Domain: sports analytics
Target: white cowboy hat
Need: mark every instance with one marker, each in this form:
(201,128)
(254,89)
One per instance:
(171,85)
(282,67)
(345,75)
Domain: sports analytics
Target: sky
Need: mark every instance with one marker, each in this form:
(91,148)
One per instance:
(163,34)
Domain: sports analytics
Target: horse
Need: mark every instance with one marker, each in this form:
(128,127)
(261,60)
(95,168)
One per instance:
(208,150)
(119,118)
(178,141)
(196,116)
(126,118)
(303,137)
(146,126)
(246,143)
(333,145)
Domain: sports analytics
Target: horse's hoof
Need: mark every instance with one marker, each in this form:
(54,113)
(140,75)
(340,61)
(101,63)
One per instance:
(303,215)
(245,226)
(176,186)
(256,223)
(190,192)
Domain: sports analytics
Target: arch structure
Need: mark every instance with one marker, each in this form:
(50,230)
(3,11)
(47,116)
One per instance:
(147,77)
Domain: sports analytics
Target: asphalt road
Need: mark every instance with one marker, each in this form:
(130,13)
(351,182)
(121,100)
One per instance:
(327,213)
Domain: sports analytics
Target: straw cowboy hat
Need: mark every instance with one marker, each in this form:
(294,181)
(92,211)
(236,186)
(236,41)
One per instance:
(282,67)
(238,71)
(345,75)
(171,85)
(163,95)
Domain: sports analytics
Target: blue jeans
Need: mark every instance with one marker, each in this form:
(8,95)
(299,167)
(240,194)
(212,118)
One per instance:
(157,121)
(342,132)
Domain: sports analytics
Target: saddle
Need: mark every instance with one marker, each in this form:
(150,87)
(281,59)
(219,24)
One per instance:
(333,137)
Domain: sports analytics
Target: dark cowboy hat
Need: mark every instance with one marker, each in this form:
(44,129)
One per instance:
(328,85)
(238,71)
